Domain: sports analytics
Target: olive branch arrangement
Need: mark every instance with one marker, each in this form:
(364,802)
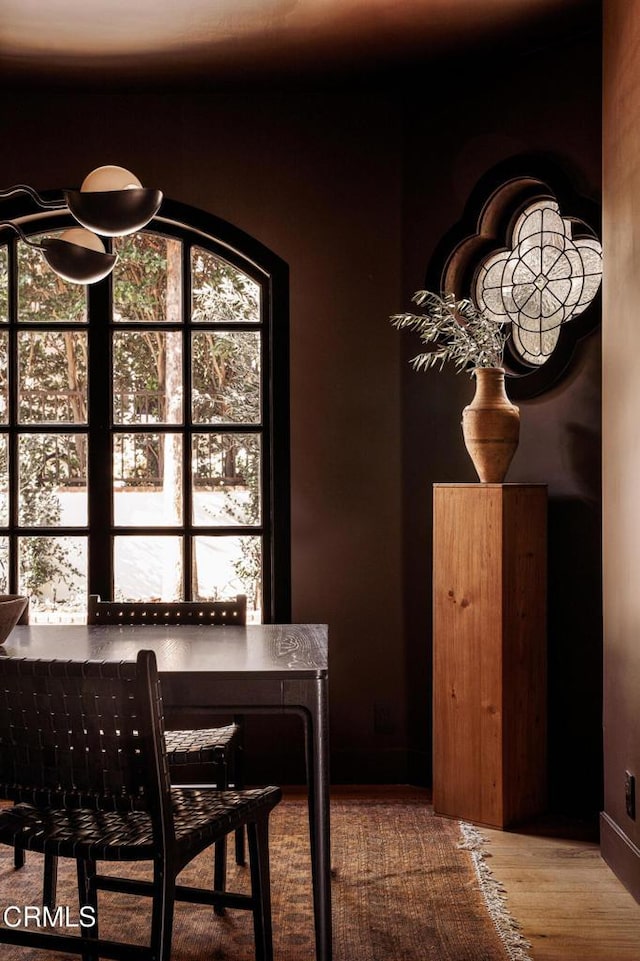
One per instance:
(455,330)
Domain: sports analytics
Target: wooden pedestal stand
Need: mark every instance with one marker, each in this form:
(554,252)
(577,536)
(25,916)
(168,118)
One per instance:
(489,639)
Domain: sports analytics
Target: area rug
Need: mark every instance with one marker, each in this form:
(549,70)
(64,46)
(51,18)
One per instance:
(407,886)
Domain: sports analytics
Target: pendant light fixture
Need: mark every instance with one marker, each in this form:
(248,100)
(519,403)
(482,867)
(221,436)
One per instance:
(111,202)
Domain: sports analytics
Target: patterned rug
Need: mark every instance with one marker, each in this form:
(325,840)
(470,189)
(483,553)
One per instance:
(407,886)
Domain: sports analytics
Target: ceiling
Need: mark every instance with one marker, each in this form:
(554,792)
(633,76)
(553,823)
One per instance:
(126,39)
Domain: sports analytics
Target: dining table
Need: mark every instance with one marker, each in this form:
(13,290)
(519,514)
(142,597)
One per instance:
(257,668)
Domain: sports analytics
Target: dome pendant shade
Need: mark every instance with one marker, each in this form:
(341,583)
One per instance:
(114,213)
(77,264)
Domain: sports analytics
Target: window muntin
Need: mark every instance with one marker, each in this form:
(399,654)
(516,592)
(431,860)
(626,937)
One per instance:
(183,380)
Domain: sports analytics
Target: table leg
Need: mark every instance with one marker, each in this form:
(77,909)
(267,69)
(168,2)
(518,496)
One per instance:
(316,730)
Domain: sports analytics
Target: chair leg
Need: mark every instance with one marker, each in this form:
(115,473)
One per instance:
(258,836)
(50,881)
(18,858)
(87,898)
(238,780)
(221,779)
(164,890)
(240,850)
(220,871)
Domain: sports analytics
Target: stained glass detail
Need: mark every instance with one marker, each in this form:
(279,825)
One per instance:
(547,278)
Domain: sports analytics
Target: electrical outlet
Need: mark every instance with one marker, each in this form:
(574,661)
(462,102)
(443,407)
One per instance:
(630,794)
(383,718)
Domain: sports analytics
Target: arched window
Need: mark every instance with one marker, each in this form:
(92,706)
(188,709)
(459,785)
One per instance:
(144,435)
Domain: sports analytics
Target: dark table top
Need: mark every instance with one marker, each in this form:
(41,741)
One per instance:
(269,650)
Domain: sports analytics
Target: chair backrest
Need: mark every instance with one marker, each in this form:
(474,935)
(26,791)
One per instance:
(231,612)
(83,734)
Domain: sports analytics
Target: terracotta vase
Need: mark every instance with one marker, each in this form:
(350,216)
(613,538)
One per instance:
(491,426)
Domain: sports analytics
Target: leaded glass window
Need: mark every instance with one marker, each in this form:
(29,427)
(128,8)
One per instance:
(543,281)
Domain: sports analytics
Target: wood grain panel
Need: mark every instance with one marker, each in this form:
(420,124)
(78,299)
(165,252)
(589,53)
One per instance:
(489,651)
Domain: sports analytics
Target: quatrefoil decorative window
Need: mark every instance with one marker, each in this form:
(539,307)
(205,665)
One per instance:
(526,250)
(545,280)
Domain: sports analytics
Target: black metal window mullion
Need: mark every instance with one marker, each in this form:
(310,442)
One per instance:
(12,453)
(188,539)
(276,441)
(265,476)
(100,442)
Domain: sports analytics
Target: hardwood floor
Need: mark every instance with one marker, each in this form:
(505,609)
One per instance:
(570,905)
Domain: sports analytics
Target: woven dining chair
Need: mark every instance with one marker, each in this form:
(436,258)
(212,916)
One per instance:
(83,758)
(214,754)
(205,755)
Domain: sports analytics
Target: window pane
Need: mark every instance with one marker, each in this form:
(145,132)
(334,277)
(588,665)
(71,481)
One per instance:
(4,565)
(4,285)
(221,293)
(147,476)
(52,377)
(52,480)
(148,569)
(147,377)
(4,480)
(4,382)
(53,574)
(226,566)
(226,377)
(147,279)
(226,479)
(43,297)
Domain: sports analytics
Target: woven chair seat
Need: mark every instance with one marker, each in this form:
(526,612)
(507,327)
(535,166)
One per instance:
(200,818)
(206,746)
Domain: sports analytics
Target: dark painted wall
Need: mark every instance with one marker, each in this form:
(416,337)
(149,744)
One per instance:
(353,181)
(546,101)
(315,175)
